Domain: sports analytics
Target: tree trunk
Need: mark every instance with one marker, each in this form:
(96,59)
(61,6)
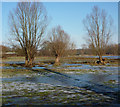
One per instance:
(26,61)
(31,61)
(100,59)
(57,59)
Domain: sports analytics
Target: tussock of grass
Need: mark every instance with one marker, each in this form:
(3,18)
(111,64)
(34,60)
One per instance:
(14,72)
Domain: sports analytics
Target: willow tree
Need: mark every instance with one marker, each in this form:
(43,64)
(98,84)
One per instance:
(59,43)
(28,23)
(99,30)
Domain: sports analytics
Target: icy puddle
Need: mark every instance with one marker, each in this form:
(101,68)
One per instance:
(89,67)
(65,66)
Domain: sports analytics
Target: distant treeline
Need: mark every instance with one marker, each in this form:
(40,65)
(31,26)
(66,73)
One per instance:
(112,49)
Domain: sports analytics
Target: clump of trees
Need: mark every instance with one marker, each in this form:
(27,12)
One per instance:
(59,44)
(4,49)
(99,30)
(28,24)
(112,49)
(18,50)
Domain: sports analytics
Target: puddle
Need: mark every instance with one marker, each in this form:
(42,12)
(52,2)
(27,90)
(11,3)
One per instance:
(64,66)
(77,67)
(109,57)
(95,68)
(36,67)
(14,62)
(84,67)
(11,67)
(71,64)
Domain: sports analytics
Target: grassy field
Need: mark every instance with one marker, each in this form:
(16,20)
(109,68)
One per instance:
(76,59)
(21,85)
(42,61)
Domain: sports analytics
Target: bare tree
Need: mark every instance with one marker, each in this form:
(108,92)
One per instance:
(28,23)
(59,43)
(99,29)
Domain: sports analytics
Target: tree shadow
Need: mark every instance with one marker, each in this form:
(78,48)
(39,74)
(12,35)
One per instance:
(93,86)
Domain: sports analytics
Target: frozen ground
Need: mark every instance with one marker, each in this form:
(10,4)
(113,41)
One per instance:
(77,84)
